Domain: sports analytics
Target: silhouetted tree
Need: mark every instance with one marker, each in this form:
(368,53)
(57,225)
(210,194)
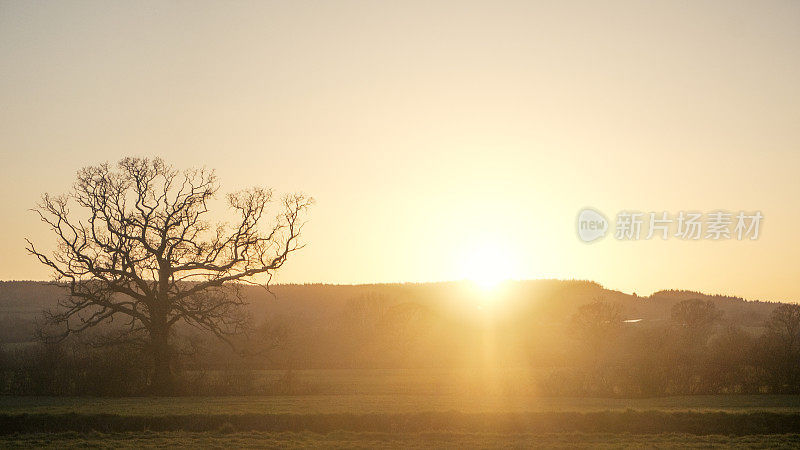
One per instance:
(696,318)
(597,322)
(138,246)
(730,361)
(784,324)
(597,326)
(782,346)
(694,321)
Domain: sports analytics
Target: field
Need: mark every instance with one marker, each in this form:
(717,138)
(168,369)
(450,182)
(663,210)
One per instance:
(342,439)
(390,404)
(403,408)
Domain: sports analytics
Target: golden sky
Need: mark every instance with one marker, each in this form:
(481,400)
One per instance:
(434,135)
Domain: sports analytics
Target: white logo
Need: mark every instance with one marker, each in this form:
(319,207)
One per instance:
(592,225)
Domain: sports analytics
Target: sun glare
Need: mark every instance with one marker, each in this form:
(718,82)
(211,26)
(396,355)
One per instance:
(488,264)
(488,281)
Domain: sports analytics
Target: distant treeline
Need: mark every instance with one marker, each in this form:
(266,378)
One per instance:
(582,339)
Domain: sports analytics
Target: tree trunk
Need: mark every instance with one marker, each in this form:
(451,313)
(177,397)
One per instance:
(162,381)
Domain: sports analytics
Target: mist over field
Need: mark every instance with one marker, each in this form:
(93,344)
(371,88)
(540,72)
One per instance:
(555,338)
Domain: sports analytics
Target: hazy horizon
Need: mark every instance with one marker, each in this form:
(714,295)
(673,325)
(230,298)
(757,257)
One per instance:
(491,293)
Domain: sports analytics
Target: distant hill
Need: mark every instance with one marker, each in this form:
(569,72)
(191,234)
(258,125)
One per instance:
(544,302)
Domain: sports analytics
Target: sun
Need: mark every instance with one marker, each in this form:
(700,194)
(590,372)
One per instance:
(488,282)
(488,263)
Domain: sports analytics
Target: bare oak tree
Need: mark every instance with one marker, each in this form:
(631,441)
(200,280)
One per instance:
(139,247)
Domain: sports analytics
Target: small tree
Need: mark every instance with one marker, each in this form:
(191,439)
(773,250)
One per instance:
(784,325)
(597,326)
(782,346)
(696,318)
(597,323)
(140,248)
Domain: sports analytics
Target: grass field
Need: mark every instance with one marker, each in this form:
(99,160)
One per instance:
(394,440)
(397,391)
(390,403)
(403,409)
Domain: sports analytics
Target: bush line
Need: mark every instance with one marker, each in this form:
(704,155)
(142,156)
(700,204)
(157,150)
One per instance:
(637,422)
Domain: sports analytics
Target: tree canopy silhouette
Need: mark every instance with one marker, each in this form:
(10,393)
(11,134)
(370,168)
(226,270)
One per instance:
(139,246)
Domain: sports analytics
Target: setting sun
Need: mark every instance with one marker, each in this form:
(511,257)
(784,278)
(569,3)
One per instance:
(488,264)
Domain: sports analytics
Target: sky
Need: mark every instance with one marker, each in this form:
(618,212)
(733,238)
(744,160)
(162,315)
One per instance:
(438,138)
